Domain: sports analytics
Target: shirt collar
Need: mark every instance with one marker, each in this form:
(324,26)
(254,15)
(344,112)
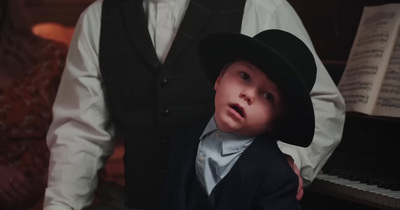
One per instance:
(211,127)
(230,143)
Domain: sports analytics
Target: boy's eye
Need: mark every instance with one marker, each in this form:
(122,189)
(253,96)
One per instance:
(244,75)
(268,96)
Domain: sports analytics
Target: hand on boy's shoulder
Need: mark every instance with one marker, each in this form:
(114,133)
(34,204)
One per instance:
(296,170)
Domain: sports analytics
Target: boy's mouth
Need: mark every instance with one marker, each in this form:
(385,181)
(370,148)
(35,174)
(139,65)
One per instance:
(238,109)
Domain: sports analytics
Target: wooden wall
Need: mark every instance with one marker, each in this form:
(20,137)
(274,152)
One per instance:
(332,24)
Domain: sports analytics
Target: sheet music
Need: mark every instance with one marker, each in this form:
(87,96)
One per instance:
(369,59)
(389,96)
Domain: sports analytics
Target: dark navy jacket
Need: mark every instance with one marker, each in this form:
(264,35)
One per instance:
(260,179)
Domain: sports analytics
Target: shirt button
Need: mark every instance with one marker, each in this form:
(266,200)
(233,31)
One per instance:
(218,135)
(165,112)
(201,158)
(163,82)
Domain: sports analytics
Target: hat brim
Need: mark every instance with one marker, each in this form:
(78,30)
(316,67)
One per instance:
(217,50)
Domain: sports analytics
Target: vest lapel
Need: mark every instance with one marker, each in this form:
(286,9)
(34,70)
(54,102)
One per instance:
(252,161)
(196,16)
(136,22)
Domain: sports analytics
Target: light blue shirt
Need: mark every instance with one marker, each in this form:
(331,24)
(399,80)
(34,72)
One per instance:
(217,153)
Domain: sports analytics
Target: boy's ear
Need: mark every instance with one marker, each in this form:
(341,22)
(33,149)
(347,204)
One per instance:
(217,81)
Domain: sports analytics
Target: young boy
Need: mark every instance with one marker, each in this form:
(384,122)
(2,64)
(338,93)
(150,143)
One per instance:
(233,162)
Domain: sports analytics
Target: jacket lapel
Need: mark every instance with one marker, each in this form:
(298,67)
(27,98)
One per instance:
(136,21)
(253,161)
(256,157)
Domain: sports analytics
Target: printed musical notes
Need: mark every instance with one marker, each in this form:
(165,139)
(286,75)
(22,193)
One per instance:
(370,83)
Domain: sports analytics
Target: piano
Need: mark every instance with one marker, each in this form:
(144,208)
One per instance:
(364,170)
(363,173)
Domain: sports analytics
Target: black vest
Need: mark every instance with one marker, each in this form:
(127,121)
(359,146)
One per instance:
(149,102)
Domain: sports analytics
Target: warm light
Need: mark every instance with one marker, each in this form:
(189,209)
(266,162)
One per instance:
(54,31)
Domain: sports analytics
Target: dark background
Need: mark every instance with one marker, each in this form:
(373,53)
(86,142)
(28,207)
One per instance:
(331,24)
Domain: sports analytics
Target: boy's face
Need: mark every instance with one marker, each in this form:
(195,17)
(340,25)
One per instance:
(247,102)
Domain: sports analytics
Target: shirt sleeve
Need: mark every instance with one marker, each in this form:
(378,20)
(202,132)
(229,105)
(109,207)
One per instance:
(328,103)
(80,136)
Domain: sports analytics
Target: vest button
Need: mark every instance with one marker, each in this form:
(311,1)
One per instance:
(165,112)
(163,82)
(156,65)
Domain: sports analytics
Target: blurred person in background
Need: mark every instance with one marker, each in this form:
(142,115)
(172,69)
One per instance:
(30,70)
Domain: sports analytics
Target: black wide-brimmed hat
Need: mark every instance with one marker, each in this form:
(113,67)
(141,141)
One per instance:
(285,59)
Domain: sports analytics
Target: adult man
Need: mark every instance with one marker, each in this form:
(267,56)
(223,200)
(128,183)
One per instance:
(132,71)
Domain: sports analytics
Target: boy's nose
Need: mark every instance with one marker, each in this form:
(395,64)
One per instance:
(248,96)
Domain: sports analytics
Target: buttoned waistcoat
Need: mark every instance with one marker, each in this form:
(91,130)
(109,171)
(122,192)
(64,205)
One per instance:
(149,101)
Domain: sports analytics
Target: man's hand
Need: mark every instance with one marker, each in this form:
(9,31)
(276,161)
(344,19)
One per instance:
(296,170)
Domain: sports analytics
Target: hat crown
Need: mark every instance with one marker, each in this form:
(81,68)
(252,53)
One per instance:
(289,47)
